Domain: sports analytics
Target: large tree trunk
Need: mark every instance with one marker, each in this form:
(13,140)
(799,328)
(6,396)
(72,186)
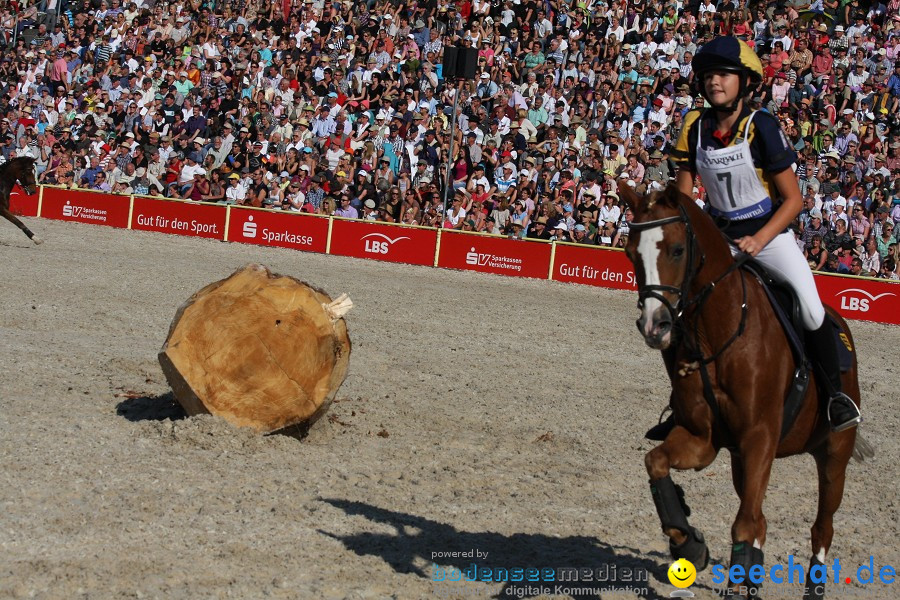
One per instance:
(259,349)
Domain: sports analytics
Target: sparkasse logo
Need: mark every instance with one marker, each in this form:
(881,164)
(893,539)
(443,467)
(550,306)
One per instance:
(249,230)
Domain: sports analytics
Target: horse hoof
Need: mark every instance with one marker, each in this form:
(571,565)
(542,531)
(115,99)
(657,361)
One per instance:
(37,241)
(693,549)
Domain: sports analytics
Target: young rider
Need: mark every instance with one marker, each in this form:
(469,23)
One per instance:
(744,160)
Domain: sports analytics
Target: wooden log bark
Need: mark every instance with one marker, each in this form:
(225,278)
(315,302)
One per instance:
(258,349)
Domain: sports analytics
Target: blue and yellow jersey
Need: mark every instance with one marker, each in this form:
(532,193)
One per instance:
(769,147)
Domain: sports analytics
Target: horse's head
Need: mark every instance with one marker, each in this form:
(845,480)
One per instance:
(23,171)
(661,248)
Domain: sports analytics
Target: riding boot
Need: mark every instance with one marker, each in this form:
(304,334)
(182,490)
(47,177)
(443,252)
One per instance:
(822,347)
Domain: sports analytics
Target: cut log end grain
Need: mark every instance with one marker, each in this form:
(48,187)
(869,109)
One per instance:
(259,349)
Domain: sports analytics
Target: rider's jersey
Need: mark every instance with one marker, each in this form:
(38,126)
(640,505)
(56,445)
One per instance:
(738,168)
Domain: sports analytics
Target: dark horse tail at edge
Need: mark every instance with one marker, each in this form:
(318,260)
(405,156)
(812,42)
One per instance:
(19,170)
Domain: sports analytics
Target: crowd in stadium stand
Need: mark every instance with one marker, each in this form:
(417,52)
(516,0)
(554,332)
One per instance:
(342,108)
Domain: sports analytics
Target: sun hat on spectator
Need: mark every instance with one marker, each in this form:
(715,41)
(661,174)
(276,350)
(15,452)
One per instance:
(815,213)
(234,176)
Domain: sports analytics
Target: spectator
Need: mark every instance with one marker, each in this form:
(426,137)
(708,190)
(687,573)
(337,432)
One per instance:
(287,102)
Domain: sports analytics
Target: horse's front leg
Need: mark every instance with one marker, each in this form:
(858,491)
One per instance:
(751,468)
(6,214)
(681,450)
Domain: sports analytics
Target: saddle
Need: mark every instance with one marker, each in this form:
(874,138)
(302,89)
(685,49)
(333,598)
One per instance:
(786,306)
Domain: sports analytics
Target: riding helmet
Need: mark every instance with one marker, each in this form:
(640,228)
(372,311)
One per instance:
(728,53)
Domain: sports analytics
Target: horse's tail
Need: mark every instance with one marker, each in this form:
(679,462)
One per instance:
(862,449)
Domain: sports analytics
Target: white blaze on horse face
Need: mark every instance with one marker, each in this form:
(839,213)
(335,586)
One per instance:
(648,250)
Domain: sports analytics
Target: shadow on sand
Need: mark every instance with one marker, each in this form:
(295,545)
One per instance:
(150,408)
(415,538)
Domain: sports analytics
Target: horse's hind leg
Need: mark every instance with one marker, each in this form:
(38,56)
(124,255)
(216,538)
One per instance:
(750,474)
(4,212)
(681,450)
(831,461)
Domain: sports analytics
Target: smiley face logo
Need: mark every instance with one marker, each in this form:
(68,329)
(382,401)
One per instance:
(682,573)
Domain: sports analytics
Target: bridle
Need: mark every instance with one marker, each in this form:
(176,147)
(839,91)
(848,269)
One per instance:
(684,301)
(657,290)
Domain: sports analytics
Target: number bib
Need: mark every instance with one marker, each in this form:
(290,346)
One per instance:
(730,178)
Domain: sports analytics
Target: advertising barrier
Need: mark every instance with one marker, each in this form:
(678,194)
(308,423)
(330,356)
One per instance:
(853,297)
(492,254)
(94,208)
(861,298)
(392,243)
(574,263)
(22,204)
(283,229)
(179,217)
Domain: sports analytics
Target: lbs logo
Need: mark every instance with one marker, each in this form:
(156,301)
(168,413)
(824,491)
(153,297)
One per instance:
(378,243)
(249,230)
(855,303)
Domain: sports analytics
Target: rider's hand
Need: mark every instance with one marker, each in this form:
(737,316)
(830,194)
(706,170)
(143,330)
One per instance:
(750,244)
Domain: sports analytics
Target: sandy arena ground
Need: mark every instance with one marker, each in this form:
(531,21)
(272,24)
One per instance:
(481,413)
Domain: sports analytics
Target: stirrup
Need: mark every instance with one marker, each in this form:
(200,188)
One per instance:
(844,401)
(660,431)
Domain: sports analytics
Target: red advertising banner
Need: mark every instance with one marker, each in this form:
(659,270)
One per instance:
(491,254)
(85,207)
(365,239)
(590,265)
(861,298)
(181,218)
(22,204)
(284,229)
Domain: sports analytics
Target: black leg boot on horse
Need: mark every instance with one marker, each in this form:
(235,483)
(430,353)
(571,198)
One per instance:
(673,513)
(752,569)
(687,451)
(841,410)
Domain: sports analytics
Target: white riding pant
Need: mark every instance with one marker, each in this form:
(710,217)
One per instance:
(786,263)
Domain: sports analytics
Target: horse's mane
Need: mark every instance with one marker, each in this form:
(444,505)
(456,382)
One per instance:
(12,161)
(703,222)
(708,234)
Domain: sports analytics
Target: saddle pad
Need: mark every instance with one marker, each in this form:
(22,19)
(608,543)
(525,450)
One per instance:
(845,347)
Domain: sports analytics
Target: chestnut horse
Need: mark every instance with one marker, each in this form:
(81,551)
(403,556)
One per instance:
(19,170)
(731,368)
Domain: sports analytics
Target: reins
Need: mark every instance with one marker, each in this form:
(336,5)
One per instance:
(696,302)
